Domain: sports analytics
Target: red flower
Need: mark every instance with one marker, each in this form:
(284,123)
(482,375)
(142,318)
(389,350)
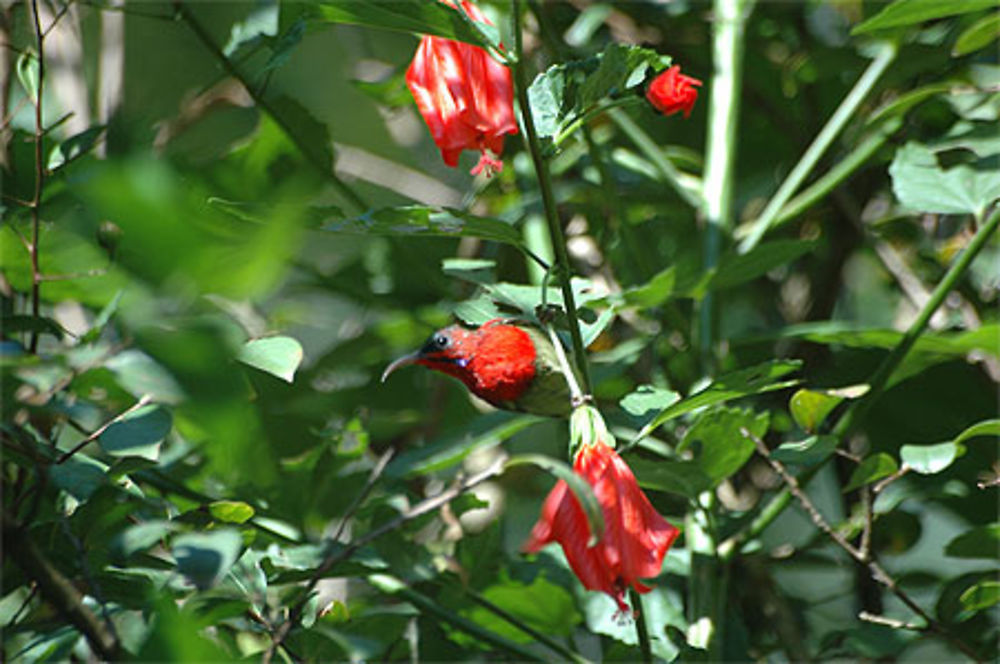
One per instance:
(635,537)
(465,97)
(672,92)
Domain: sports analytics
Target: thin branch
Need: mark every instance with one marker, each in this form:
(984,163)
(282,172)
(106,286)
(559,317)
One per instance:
(877,571)
(890,622)
(143,400)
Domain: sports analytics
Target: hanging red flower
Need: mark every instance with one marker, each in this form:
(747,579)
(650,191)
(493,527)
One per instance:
(635,539)
(672,92)
(465,97)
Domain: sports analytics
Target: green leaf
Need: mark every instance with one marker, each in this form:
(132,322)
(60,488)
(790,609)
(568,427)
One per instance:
(204,558)
(870,470)
(38,324)
(808,452)
(138,433)
(416,16)
(981,542)
(28,72)
(721,448)
(278,356)
(663,611)
(75,146)
(473,270)
(984,428)
(735,268)
(810,408)
(978,35)
(419,220)
(450,450)
(584,494)
(757,379)
(683,478)
(983,595)
(654,292)
(922,185)
(904,102)
(646,398)
(140,537)
(477,311)
(566,92)
(929,459)
(911,12)
(985,338)
(231,511)
(79,476)
(541,604)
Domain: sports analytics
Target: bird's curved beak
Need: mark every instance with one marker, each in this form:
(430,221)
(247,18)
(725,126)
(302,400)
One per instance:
(401,362)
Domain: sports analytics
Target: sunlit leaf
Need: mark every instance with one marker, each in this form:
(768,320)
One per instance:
(231,511)
(981,596)
(923,185)
(138,433)
(980,34)
(911,12)
(812,450)
(929,459)
(278,356)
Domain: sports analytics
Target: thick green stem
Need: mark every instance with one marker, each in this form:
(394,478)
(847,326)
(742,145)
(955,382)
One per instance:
(312,153)
(549,203)
(885,56)
(641,628)
(854,415)
(720,153)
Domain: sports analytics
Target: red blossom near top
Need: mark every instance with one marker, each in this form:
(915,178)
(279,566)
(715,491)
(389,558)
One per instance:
(672,92)
(635,539)
(465,97)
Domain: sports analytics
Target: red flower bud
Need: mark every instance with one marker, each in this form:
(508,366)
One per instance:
(465,97)
(672,92)
(635,539)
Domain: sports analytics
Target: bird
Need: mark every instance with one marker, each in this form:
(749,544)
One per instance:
(510,364)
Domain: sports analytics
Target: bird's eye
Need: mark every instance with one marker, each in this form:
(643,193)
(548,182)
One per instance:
(441,341)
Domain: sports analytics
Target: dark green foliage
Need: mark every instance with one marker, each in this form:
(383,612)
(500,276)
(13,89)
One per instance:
(198,458)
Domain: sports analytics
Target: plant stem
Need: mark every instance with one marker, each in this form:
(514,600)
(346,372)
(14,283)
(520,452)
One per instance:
(593,111)
(641,628)
(36,201)
(885,56)
(855,413)
(549,203)
(720,154)
(311,152)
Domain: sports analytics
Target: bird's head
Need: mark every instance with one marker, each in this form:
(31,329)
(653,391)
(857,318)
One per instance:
(496,361)
(449,350)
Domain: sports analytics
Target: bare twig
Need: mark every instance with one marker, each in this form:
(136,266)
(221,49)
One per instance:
(143,400)
(890,622)
(883,483)
(863,557)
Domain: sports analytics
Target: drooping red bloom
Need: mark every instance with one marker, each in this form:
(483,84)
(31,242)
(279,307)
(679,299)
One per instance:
(635,539)
(465,97)
(672,92)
